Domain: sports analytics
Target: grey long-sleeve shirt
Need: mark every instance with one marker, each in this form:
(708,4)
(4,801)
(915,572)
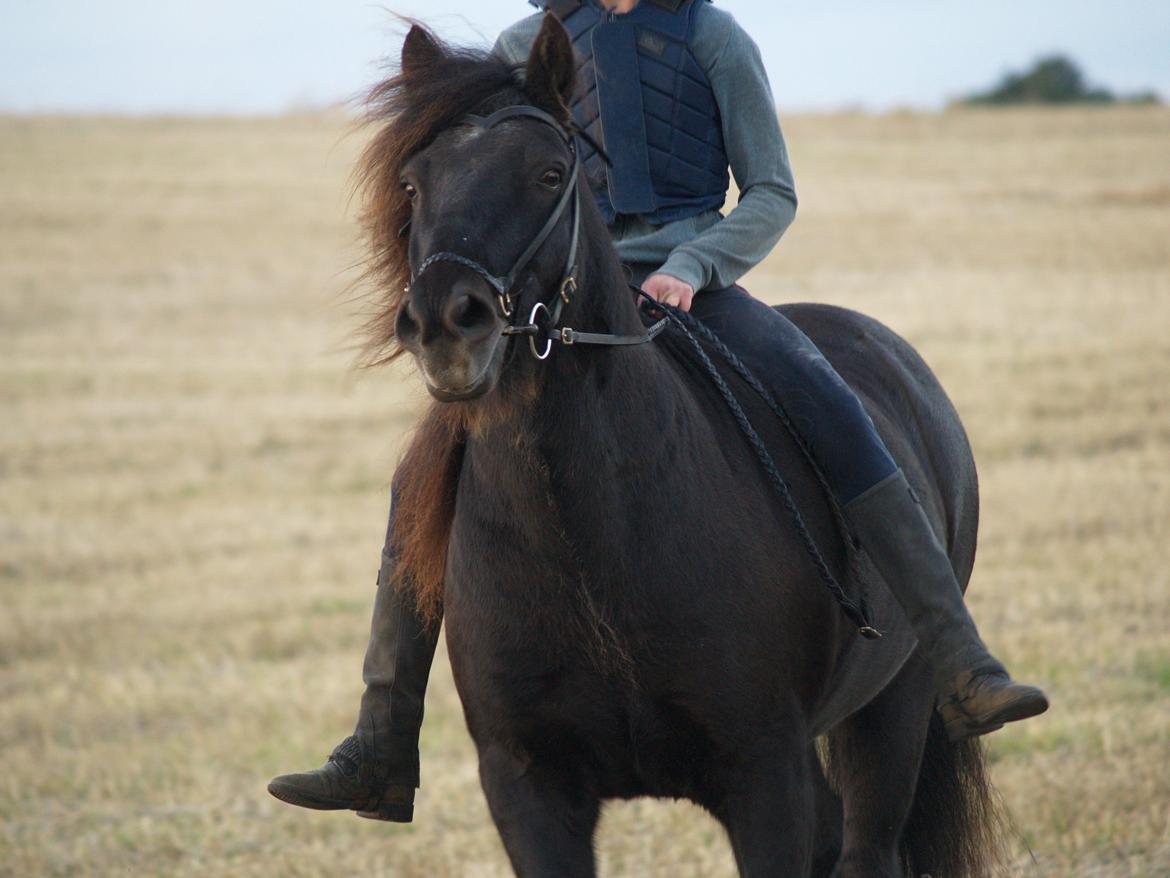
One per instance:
(710,251)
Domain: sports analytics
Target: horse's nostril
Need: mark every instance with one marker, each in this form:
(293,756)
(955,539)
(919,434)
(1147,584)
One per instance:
(467,314)
(457,309)
(407,326)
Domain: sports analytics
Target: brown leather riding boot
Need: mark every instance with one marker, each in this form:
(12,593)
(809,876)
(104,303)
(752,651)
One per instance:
(375,771)
(975,693)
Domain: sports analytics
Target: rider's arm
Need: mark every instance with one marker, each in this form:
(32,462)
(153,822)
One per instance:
(720,255)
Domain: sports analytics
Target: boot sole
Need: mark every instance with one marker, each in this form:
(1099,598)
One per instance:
(293,796)
(391,812)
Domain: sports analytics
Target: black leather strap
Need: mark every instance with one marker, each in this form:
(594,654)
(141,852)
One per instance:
(520,111)
(572,192)
(567,335)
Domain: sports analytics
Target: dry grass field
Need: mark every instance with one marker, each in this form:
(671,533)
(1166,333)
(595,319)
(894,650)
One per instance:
(193,480)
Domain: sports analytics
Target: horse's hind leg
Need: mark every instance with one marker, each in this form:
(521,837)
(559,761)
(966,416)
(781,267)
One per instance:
(874,757)
(546,823)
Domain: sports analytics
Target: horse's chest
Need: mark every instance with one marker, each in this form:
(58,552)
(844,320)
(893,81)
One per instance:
(556,690)
(611,648)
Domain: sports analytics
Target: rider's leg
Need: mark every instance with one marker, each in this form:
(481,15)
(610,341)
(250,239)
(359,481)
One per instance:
(976,695)
(375,771)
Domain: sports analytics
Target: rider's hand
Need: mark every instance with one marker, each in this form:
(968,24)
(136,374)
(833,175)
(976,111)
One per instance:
(670,290)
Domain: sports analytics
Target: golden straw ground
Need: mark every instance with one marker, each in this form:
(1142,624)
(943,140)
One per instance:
(193,482)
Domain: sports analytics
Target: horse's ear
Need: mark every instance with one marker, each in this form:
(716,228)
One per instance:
(552,69)
(420,49)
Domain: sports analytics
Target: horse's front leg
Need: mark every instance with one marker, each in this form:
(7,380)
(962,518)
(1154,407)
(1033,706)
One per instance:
(770,811)
(545,820)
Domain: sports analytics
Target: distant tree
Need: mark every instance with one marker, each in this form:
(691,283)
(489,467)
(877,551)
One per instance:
(1051,80)
(1144,97)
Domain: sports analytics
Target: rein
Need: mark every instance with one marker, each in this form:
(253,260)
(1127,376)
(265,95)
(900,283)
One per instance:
(543,325)
(857,611)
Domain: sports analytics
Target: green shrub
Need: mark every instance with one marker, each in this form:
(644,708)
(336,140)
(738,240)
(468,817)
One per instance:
(1052,80)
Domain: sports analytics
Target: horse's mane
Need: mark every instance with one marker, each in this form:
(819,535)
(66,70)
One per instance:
(424,507)
(409,109)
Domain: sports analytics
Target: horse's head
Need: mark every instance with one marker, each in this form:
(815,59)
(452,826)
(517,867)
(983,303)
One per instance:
(472,203)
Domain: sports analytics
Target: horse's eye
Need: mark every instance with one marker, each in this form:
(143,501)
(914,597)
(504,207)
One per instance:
(410,191)
(552,179)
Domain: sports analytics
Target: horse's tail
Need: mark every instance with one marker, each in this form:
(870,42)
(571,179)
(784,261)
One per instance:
(955,827)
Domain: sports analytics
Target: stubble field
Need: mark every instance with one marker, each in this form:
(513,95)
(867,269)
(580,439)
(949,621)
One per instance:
(193,480)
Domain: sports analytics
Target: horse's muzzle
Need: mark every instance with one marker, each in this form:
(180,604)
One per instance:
(451,324)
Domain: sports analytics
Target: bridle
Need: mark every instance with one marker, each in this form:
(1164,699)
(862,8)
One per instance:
(544,319)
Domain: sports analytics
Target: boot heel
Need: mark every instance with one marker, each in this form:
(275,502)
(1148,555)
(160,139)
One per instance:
(960,727)
(394,812)
(396,806)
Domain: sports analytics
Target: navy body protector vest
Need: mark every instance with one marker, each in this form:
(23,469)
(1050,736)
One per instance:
(665,138)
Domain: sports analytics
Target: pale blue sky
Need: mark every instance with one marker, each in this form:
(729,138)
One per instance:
(248,56)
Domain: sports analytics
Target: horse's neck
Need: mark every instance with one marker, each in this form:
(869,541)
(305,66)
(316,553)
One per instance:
(604,300)
(596,412)
(593,397)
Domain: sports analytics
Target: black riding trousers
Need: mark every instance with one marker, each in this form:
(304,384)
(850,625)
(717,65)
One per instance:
(825,411)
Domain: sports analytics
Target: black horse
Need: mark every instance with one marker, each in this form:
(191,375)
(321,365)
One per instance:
(629,609)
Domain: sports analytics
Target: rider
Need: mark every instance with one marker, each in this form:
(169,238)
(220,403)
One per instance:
(686,97)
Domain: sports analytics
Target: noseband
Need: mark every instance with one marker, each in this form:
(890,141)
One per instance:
(542,325)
